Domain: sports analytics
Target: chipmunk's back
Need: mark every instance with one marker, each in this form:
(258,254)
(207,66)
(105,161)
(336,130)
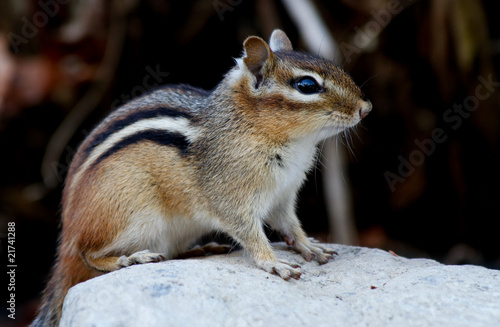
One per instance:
(153,117)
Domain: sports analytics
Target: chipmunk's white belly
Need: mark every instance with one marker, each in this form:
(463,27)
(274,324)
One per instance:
(155,231)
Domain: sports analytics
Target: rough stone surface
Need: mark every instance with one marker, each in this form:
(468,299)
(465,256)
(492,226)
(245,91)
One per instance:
(360,287)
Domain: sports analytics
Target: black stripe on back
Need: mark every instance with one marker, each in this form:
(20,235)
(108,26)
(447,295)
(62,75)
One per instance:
(158,136)
(129,120)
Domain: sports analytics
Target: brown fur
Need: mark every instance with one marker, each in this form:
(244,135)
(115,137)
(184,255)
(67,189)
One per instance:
(233,160)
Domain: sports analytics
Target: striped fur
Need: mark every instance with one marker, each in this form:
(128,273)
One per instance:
(129,119)
(168,167)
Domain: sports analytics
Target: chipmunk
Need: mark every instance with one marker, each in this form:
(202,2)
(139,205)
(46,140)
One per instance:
(173,165)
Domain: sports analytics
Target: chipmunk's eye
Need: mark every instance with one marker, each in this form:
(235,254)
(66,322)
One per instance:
(307,85)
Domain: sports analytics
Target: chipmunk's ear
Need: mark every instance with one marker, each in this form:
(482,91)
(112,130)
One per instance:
(257,54)
(279,41)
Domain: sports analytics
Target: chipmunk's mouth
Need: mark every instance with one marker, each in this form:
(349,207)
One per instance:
(343,120)
(338,122)
(334,129)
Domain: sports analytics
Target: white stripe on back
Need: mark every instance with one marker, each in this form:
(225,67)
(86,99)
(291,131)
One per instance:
(168,124)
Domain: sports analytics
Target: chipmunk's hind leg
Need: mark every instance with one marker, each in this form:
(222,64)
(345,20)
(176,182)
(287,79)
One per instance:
(106,264)
(145,256)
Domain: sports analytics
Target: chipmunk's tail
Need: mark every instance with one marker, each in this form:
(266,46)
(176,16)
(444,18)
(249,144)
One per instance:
(67,272)
(50,310)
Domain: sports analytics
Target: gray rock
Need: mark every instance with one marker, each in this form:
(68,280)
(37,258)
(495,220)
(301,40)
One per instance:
(360,287)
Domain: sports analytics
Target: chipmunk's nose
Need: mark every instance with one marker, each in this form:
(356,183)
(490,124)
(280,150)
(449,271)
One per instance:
(364,108)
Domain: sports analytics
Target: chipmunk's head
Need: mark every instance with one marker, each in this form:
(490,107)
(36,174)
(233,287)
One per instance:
(294,91)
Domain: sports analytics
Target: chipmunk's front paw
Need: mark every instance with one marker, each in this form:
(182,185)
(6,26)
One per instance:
(311,249)
(145,256)
(284,269)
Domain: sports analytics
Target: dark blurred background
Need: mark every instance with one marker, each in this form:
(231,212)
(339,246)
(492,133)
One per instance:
(422,175)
